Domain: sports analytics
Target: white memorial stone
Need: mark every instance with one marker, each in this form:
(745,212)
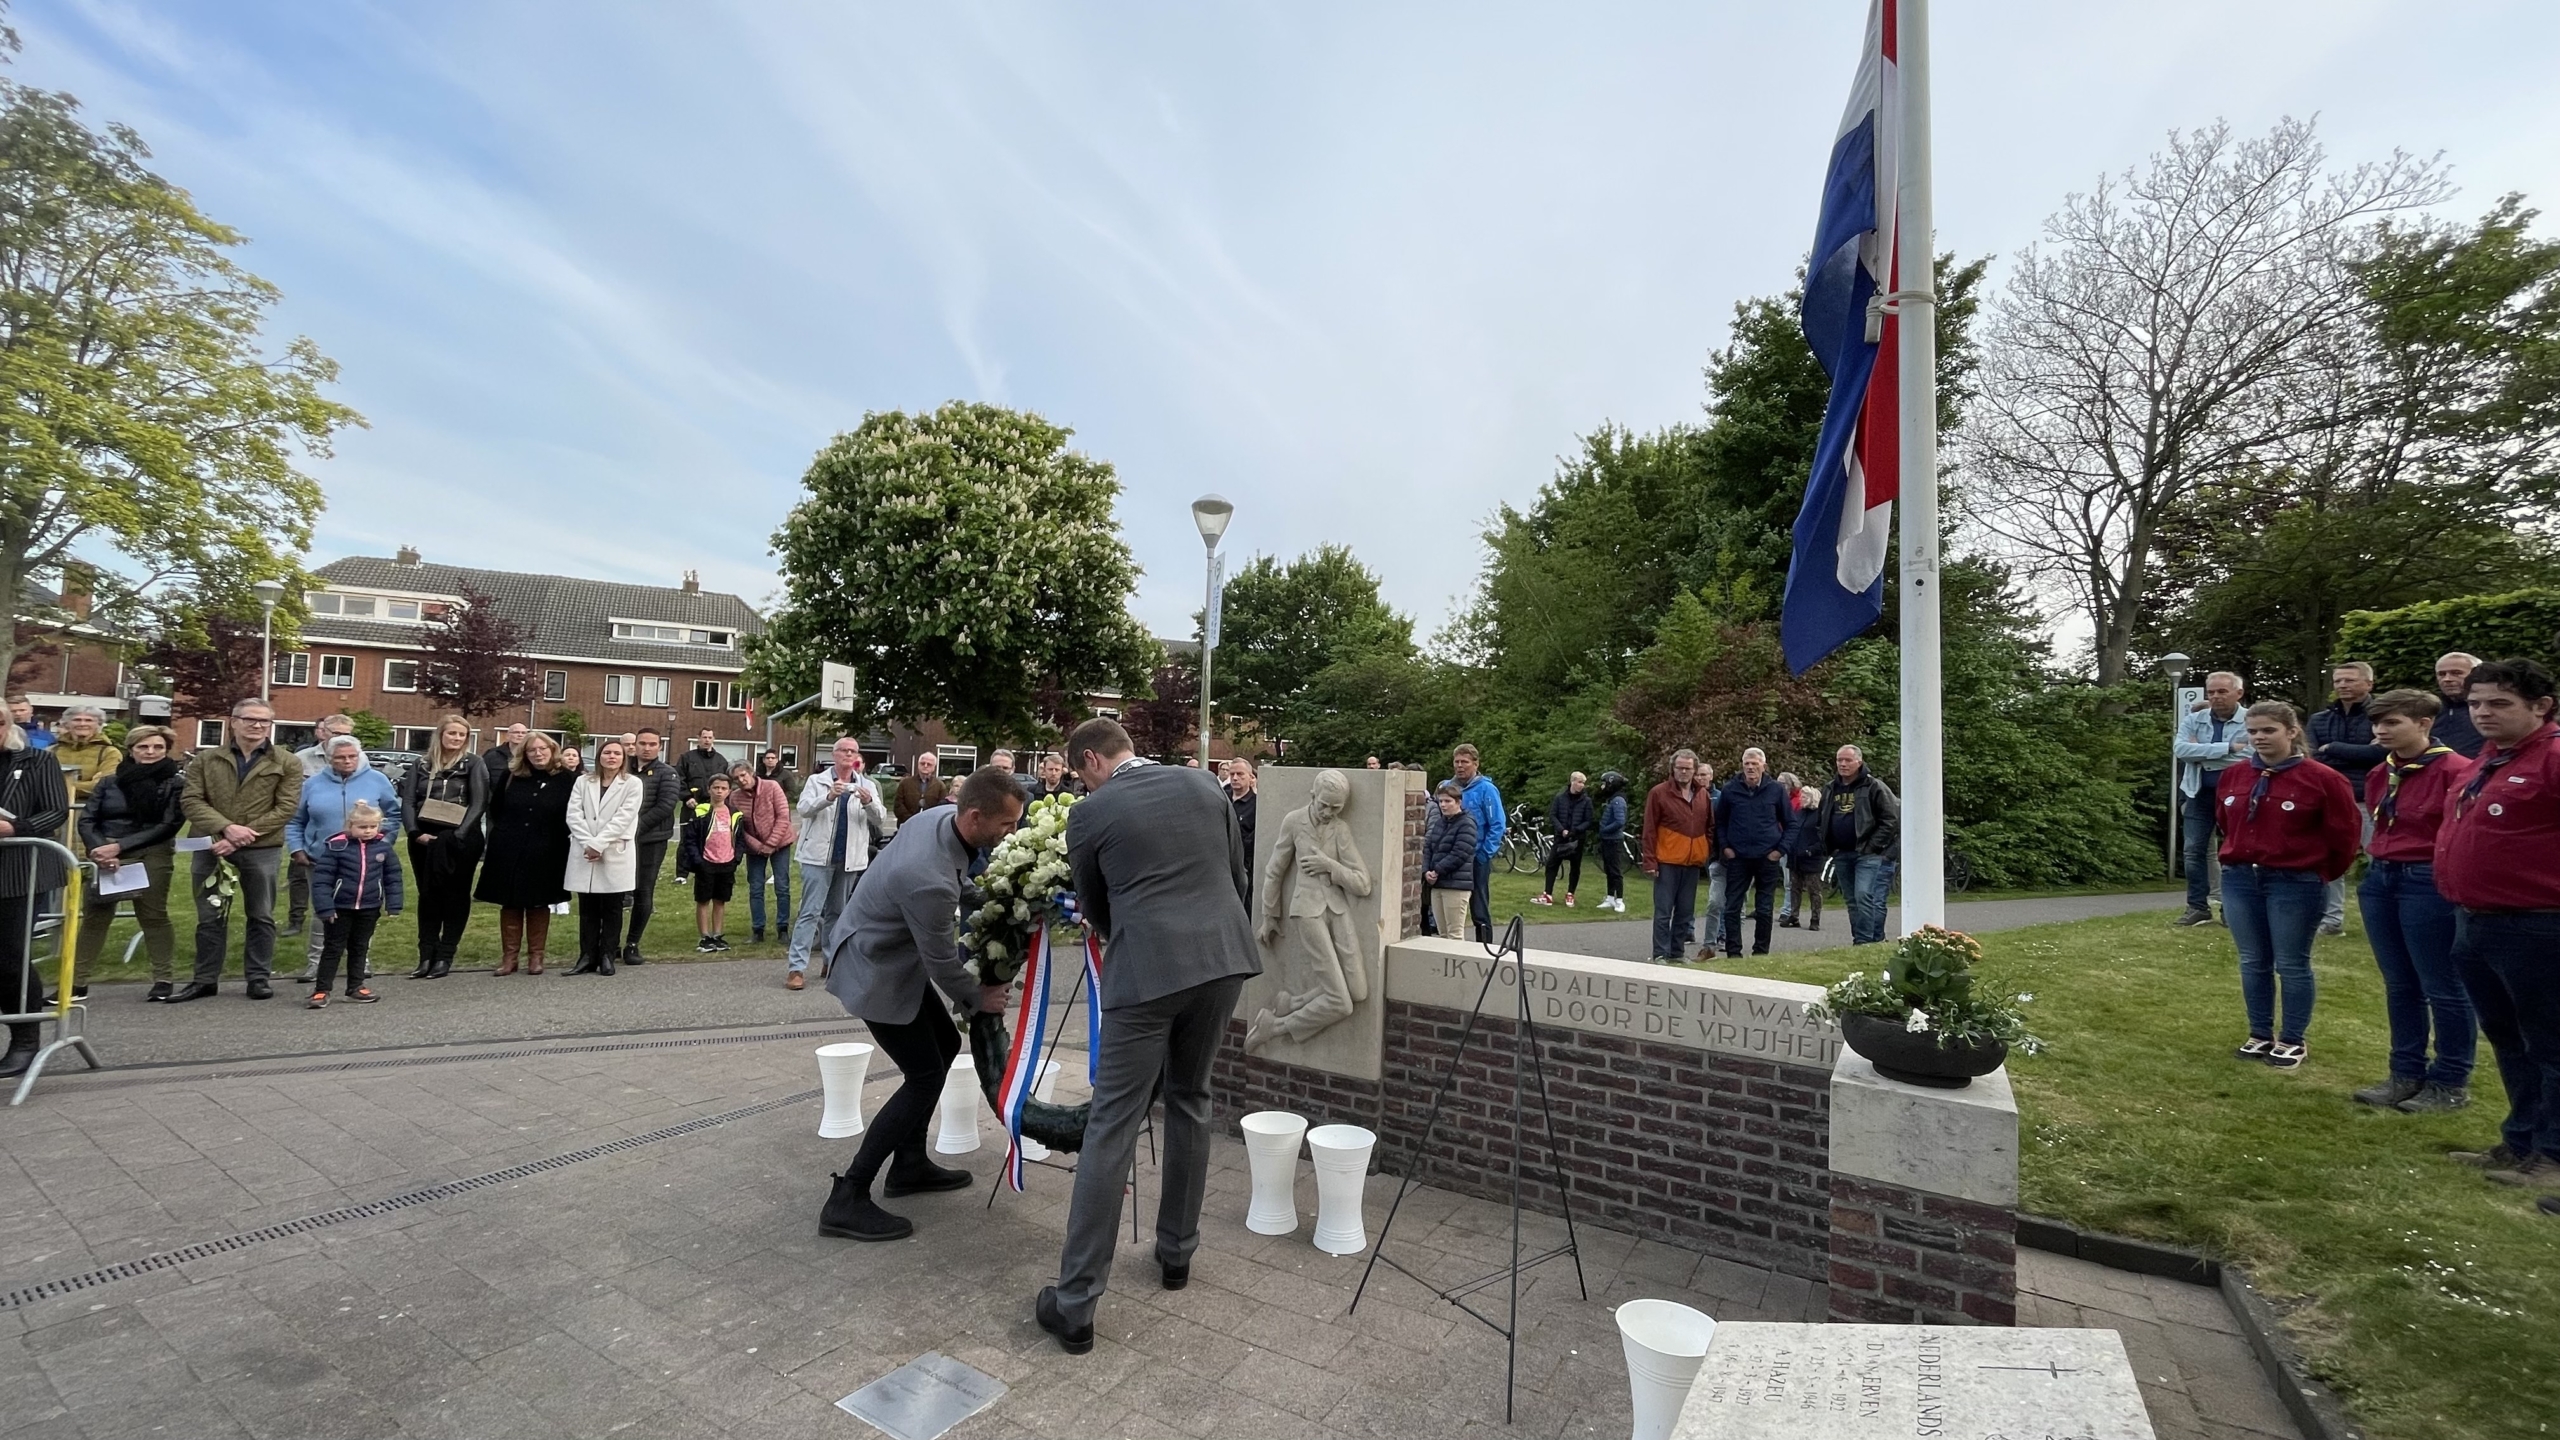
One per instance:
(1352,1045)
(1962,1143)
(1912,1382)
(1696,1009)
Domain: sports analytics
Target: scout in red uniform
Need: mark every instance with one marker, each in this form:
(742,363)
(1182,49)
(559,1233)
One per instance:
(2406,920)
(2498,859)
(2289,827)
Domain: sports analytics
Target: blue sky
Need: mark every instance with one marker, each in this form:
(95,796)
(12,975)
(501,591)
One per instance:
(604,276)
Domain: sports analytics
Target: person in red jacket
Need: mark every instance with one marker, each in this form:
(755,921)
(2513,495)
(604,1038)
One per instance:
(2406,920)
(2289,826)
(2498,860)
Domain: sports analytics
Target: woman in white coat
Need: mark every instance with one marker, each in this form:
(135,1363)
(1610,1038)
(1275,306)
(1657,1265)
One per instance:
(604,813)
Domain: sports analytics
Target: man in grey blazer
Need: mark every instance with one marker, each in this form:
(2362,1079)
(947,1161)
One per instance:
(895,962)
(1161,875)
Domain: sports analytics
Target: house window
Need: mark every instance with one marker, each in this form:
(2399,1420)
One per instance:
(399,674)
(555,684)
(649,634)
(957,759)
(321,602)
(706,694)
(1105,712)
(357,605)
(403,609)
(293,669)
(737,696)
(417,739)
(337,672)
(208,733)
(655,690)
(621,689)
(790,757)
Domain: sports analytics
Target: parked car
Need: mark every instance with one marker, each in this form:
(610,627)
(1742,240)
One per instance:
(393,763)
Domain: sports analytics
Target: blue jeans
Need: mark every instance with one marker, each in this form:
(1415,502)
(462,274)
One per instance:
(1711,885)
(2273,915)
(823,891)
(1675,901)
(2411,930)
(1863,883)
(2197,815)
(779,862)
(1741,875)
(2515,989)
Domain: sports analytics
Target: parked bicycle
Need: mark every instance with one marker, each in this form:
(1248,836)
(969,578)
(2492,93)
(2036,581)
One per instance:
(1526,844)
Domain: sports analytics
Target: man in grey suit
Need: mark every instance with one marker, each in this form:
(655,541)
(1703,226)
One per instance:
(894,957)
(1161,875)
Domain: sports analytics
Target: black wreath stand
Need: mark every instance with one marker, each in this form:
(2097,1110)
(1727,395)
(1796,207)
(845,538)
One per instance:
(1514,947)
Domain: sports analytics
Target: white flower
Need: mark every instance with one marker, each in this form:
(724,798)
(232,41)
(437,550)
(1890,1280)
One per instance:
(1918,1024)
(995,951)
(2028,999)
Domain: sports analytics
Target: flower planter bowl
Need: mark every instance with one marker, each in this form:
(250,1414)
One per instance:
(958,1134)
(1916,1058)
(1271,1142)
(841,1068)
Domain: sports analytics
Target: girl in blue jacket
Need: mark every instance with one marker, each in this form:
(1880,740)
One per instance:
(354,879)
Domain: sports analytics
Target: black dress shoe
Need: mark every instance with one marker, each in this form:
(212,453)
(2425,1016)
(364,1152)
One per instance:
(261,990)
(1075,1340)
(159,991)
(426,968)
(192,990)
(604,963)
(924,1179)
(849,1214)
(1175,1276)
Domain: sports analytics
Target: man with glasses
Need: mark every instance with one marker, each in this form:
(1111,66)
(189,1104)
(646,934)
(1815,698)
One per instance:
(239,794)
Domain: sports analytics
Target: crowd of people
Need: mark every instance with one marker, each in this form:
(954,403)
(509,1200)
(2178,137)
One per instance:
(2452,799)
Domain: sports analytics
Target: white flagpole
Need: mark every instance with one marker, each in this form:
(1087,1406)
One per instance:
(1924,836)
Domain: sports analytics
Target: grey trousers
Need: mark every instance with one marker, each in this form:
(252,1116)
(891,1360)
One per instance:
(256,902)
(1177,1037)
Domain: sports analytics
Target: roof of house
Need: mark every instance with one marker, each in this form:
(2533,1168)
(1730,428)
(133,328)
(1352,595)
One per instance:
(569,618)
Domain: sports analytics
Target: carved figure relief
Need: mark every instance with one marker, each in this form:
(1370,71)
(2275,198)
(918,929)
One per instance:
(1305,900)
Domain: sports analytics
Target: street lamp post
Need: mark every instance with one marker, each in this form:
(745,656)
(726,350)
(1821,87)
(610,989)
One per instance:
(1211,513)
(268,593)
(2174,665)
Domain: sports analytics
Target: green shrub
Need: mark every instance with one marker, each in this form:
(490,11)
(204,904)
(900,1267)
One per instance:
(2402,645)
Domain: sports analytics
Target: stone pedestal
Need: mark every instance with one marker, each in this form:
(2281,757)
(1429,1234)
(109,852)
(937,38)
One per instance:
(1924,1199)
(1836,1382)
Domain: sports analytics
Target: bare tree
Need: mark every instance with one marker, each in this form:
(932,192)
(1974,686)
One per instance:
(2165,336)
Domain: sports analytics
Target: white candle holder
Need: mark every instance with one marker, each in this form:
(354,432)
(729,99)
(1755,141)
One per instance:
(1271,1141)
(1341,1154)
(841,1069)
(1665,1342)
(959,1110)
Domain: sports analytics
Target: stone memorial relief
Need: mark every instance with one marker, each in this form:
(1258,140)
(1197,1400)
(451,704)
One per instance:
(1308,889)
(1924,1382)
(1328,867)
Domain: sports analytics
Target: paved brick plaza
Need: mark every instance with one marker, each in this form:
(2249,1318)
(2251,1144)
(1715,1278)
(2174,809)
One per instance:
(677,1287)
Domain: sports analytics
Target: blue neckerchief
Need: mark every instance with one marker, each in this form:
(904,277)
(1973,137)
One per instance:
(2266,777)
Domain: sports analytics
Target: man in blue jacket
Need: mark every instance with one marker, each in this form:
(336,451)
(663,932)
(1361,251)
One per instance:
(2342,739)
(1751,836)
(2209,741)
(1483,801)
(343,781)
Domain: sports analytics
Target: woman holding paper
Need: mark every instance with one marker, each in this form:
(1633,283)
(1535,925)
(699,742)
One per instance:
(130,819)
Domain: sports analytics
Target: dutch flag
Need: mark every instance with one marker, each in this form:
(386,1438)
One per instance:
(1835,580)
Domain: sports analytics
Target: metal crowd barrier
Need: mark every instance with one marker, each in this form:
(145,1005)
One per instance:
(69,1017)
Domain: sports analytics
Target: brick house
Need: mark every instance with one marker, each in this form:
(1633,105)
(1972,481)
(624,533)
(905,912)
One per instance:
(620,656)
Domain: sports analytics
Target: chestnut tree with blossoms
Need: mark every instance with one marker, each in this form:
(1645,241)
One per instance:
(966,563)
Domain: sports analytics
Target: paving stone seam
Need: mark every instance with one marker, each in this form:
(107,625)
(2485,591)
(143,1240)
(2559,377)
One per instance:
(196,1076)
(130,1269)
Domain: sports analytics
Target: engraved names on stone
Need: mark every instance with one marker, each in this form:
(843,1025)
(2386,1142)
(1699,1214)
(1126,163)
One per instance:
(1731,1014)
(1912,1382)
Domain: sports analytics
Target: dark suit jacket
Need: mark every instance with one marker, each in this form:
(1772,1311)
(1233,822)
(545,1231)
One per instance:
(1161,873)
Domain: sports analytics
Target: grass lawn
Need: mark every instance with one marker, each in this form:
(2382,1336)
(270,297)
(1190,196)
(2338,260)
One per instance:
(671,936)
(2429,1298)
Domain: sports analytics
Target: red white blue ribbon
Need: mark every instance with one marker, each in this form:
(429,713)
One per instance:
(1022,1065)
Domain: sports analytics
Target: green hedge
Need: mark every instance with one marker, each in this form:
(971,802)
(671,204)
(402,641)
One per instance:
(2402,645)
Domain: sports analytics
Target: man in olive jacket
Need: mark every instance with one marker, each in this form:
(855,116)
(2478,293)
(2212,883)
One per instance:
(239,794)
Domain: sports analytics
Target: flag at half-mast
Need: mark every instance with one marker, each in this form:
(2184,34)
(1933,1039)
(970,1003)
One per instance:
(1835,581)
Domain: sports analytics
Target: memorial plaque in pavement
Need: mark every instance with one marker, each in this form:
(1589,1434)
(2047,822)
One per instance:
(1912,1382)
